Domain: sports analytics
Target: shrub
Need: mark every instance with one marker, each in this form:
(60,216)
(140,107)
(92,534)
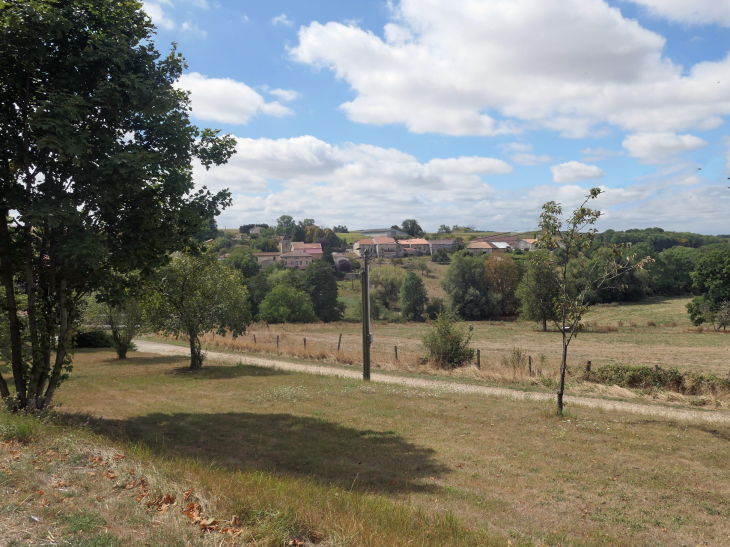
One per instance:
(447,342)
(94,339)
(643,377)
(435,306)
(284,304)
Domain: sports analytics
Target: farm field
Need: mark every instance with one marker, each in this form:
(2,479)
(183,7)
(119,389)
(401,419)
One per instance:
(591,478)
(672,343)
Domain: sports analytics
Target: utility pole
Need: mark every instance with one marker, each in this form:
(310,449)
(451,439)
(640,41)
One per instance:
(366,336)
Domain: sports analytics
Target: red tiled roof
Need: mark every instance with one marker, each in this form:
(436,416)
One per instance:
(365,242)
(481,245)
(416,241)
(384,240)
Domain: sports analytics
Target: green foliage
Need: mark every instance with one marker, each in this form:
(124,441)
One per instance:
(375,309)
(434,307)
(503,276)
(658,239)
(285,304)
(387,282)
(95,163)
(413,298)
(246,228)
(341,229)
(712,275)
(703,310)
(447,342)
(412,228)
(94,339)
(671,273)
(123,315)
(422,265)
(643,377)
(320,283)
(440,256)
(466,284)
(243,260)
(444,229)
(285,225)
(197,294)
(539,290)
(265,244)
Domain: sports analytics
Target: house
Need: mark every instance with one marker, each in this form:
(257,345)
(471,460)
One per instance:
(527,244)
(501,246)
(512,240)
(255,230)
(297,259)
(387,247)
(264,259)
(364,246)
(480,247)
(384,232)
(449,245)
(419,246)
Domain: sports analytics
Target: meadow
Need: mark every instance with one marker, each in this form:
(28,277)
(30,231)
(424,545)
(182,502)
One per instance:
(336,462)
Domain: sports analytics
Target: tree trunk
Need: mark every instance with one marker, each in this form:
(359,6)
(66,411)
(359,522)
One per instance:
(544,324)
(16,346)
(196,352)
(563,365)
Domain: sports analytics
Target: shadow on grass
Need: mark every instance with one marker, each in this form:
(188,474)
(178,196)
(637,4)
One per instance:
(223,372)
(291,445)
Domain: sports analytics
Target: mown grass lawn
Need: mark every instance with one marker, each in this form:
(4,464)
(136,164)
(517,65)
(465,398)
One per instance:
(592,478)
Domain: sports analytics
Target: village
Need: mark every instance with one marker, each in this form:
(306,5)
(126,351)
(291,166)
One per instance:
(388,243)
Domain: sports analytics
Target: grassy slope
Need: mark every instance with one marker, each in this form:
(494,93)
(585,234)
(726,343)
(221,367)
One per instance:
(591,479)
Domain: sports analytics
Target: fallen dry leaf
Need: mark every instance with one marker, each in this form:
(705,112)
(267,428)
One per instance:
(118,457)
(186,495)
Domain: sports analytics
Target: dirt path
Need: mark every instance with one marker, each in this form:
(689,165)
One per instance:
(452,387)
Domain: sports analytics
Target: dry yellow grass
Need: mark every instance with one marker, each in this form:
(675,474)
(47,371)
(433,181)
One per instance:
(590,479)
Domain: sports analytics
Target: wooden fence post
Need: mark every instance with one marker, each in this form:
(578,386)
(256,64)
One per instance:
(396,353)
(529,365)
(254,338)
(277,341)
(479,359)
(338,343)
(305,343)
(588,366)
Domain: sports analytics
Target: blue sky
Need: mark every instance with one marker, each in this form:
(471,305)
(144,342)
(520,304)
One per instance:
(462,112)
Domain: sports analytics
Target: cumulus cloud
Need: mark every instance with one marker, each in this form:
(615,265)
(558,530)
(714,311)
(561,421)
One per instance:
(361,184)
(281,20)
(157,15)
(226,100)
(504,66)
(659,147)
(574,171)
(711,12)
(285,95)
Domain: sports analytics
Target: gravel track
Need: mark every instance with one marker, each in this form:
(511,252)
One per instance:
(718,417)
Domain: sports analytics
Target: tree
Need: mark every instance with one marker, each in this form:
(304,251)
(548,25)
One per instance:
(285,304)
(503,277)
(444,229)
(712,278)
(312,232)
(387,282)
(466,284)
(447,343)
(341,229)
(96,149)
(539,290)
(308,222)
(243,260)
(284,225)
(569,243)
(412,228)
(124,316)
(440,256)
(196,294)
(413,297)
(320,283)
(422,266)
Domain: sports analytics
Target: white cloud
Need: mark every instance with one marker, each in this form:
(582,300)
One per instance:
(659,147)
(192,28)
(281,20)
(485,68)
(521,153)
(711,12)
(225,100)
(157,15)
(574,171)
(285,95)
(360,184)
